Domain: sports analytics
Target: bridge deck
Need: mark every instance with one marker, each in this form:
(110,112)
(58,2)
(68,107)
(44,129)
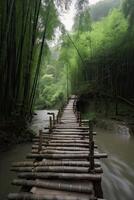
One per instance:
(61,166)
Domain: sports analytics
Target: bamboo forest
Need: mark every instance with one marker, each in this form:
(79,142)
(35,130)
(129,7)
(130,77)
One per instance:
(66,99)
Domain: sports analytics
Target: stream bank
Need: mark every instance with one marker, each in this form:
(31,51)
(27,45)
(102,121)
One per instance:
(115,136)
(17,153)
(106,113)
(118,177)
(11,135)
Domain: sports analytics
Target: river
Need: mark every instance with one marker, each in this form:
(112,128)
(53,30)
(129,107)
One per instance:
(118,177)
(18,153)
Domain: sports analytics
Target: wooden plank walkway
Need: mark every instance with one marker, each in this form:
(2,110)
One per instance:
(64,163)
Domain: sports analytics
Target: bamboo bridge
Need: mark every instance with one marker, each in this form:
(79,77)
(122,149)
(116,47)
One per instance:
(64,162)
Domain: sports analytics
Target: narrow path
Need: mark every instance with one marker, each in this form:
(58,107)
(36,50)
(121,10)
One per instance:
(61,169)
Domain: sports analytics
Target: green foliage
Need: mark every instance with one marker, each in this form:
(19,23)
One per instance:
(128,8)
(99,58)
(102,8)
(52,84)
(95,56)
(25,27)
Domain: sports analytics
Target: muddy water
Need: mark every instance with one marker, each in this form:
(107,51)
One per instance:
(6,176)
(18,153)
(118,178)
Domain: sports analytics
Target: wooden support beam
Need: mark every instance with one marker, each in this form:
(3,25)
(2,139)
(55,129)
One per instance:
(53,119)
(91,147)
(50,125)
(40,141)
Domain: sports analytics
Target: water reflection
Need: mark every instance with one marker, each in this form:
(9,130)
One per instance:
(118,177)
(18,153)
(6,176)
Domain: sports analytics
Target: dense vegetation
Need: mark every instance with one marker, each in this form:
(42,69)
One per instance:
(102,8)
(24,30)
(97,56)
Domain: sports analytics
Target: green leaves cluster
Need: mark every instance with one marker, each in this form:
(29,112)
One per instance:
(25,27)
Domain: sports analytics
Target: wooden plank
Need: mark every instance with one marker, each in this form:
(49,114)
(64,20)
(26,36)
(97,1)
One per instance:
(65,156)
(57,185)
(54,163)
(30,196)
(65,176)
(61,169)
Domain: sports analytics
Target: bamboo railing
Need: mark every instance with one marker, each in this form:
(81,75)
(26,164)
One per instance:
(64,162)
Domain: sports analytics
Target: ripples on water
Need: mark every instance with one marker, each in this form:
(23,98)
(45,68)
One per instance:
(118,177)
(18,153)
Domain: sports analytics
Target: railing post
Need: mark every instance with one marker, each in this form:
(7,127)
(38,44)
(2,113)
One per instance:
(57,117)
(50,125)
(79,119)
(54,119)
(74,106)
(77,115)
(91,146)
(53,114)
(40,141)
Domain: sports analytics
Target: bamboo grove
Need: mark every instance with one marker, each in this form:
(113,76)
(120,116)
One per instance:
(23,33)
(103,62)
(97,55)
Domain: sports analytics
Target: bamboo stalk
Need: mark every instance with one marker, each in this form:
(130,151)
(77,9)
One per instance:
(91,146)
(62,148)
(64,137)
(72,128)
(66,156)
(69,141)
(29,196)
(69,187)
(65,176)
(40,141)
(61,169)
(53,114)
(81,141)
(53,144)
(50,125)
(46,151)
(54,163)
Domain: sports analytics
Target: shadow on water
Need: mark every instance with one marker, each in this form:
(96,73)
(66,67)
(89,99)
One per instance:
(18,153)
(118,178)
(6,176)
